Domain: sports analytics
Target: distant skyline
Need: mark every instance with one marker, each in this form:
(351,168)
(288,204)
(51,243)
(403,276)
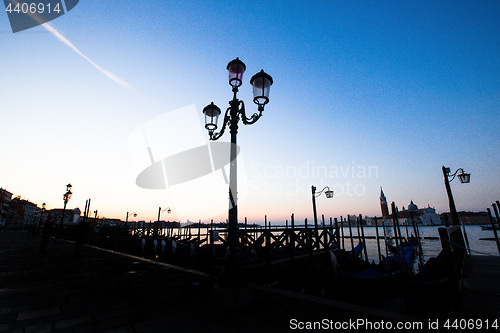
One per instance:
(365,95)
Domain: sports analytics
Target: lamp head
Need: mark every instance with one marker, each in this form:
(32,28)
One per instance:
(236,69)
(464,177)
(261,83)
(211,113)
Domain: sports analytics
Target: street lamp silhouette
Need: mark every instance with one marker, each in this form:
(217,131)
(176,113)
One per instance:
(329,194)
(66,198)
(161,211)
(464,178)
(41,218)
(232,276)
(134,214)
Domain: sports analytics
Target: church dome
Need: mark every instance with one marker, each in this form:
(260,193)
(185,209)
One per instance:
(412,206)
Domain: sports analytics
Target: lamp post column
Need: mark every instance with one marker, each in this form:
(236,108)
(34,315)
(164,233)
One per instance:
(313,190)
(233,276)
(62,218)
(453,209)
(41,218)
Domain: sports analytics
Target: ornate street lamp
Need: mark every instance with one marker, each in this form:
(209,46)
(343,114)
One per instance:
(328,194)
(464,178)
(66,198)
(233,277)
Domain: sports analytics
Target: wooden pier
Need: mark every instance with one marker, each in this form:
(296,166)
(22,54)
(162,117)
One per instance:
(474,278)
(481,288)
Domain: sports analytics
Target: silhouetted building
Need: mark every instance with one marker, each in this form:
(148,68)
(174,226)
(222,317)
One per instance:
(71,216)
(22,213)
(468,218)
(5,198)
(424,216)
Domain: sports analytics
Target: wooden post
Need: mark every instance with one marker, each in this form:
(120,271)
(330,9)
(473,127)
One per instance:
(350,234)
(465,235)
(357,228)
(363,235)
(342,231)
(199,230)
(267,236)
(385,237)
(306,235)
(287,234)
(325,236)
(492,221)
(417,235)
(378,241)
(211,240)
(292,241)
(338,241)
(396,236)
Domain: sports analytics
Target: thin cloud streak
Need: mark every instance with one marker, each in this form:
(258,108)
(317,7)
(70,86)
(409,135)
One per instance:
(112,76)
(63,39)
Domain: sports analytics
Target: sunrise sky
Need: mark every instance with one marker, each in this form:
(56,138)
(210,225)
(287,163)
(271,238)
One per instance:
(366,94)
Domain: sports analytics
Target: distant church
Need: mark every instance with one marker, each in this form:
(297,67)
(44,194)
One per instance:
(424,216)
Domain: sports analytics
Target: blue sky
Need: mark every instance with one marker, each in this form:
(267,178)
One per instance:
(396,87)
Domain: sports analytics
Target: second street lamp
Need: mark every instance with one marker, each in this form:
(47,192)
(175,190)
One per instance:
(464,178)
(328,193)
(66,198)
(232,276)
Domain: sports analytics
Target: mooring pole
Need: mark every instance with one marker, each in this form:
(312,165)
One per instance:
(493,226)
(378,241)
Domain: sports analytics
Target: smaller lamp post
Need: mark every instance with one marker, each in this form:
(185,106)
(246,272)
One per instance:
(464,178)
(161,211)
(134,214)
(328,193)
(41,218)
(66,198)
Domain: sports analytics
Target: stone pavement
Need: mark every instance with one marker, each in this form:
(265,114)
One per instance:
(105,291)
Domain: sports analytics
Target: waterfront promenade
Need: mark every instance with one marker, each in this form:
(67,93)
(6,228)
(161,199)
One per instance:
(103,291)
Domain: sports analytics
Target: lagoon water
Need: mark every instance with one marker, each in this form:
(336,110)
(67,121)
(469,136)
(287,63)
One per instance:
(430,247)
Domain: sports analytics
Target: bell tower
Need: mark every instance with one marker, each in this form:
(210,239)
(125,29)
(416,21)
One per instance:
(383,204)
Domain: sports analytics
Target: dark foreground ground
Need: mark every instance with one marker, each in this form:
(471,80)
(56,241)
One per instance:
(104,291)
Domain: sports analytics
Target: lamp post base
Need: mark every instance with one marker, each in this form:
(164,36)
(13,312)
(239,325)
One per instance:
(232,298)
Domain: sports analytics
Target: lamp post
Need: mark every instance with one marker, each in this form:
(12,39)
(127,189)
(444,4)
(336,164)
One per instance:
(41,218)
(464,178)
(232,276)
(329,194)
(134,214)
(161,211)
(66,198)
